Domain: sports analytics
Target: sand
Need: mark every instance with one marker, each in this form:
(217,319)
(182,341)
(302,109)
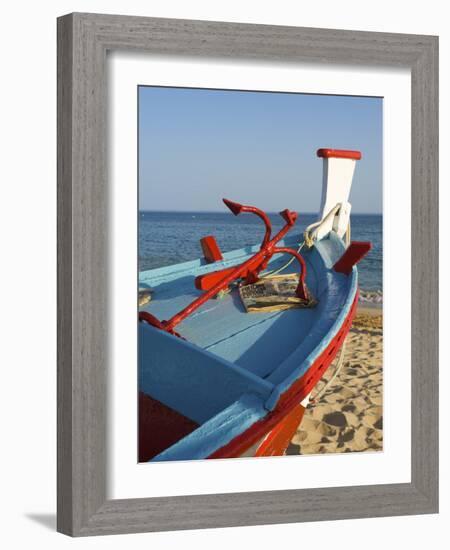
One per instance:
(348,416)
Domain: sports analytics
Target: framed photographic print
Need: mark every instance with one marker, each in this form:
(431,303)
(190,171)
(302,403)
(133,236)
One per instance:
(265,328)
(247,274)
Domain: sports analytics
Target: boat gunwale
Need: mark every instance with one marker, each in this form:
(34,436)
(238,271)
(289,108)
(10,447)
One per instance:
(166,273)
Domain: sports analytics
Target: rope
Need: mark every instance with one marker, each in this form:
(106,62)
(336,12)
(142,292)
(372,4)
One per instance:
(319,394)
(309,239)
(283,267)
(348,235)
(309,236)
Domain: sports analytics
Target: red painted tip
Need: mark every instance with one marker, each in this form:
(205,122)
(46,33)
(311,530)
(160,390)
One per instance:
(211,250)
(235,207)
(288,216)
(354,253)
(339,154)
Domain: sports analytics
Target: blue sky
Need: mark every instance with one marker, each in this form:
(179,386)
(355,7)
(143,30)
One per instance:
(197,146)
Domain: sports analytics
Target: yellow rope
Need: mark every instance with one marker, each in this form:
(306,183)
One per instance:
(309,240)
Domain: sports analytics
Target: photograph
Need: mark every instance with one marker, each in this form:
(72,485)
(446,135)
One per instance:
(260,274)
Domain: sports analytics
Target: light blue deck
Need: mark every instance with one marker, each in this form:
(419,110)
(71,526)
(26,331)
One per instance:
(173,359)
(255,354)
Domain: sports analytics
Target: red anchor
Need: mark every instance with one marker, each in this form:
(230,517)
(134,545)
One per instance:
(248,271)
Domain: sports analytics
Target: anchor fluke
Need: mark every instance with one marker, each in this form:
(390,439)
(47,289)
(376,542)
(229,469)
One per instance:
(235,207)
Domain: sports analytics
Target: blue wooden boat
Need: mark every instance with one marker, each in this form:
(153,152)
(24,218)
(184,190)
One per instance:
(229,383)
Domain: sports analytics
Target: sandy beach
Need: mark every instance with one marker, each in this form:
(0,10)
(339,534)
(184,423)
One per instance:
(348,416)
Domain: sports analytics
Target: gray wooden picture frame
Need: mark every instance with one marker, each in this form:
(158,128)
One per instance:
(83,41)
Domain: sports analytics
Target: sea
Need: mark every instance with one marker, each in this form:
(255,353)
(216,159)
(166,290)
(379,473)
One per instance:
(167,238)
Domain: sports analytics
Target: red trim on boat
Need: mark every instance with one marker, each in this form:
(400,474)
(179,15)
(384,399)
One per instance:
(339,154)
(277,440)
(292,397)
(354,253)
(211,250)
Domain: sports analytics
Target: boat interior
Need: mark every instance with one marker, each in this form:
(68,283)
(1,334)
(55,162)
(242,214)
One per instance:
(228,362)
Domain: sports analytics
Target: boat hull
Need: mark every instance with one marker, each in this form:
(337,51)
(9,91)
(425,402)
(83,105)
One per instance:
(241,378)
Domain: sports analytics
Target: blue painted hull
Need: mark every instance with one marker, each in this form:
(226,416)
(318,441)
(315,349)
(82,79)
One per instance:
(233,369)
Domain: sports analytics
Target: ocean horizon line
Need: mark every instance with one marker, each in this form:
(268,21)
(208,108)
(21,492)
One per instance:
(275,212)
